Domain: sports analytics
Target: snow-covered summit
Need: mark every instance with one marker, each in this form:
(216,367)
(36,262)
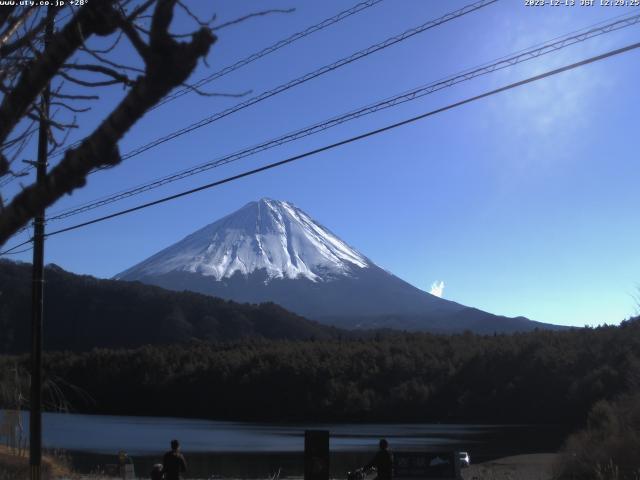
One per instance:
(268,235)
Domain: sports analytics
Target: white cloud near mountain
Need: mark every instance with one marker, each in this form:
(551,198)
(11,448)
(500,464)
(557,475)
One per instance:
(437,288)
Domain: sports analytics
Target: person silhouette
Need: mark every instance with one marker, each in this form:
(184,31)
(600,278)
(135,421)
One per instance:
(173,463)
(382,461)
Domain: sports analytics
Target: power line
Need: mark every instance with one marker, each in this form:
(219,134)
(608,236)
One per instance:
(270,49)
(28,249)
(605,29)
(311,75)
(355,138)
(10,178)
(307,77)
(266,51)
(411,95)
(10,251)
(241,63)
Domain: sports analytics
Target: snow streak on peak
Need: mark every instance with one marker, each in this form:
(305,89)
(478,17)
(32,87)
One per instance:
(268,235)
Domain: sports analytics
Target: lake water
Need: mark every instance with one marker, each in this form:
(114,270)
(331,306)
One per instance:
(255,450)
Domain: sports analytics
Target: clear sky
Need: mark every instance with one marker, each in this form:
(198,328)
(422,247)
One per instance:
(525,203)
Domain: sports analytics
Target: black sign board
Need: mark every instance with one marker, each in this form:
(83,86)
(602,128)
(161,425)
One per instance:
(428,465)
(316,455)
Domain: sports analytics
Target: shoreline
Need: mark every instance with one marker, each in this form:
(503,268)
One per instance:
(534,466)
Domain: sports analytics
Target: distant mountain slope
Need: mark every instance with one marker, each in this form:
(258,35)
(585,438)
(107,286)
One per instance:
(272,251)
(83,312)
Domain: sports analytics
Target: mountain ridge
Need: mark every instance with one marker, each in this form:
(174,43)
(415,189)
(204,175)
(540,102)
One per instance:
(82,312)
(271,235)
(270,250)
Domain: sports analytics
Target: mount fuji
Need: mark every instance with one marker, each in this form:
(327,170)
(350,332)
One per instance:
(271,251)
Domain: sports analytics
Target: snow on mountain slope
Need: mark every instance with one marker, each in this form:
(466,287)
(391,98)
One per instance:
(267,235)
(271,251)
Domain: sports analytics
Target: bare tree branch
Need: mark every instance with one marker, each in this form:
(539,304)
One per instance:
(75,97)
(251,15)
(57,144)
(109,72)
(52,123)
(168,64)
(69,107)
(200,22)
(93,18)
(102,59)
(4,165)
(202,93)
(5,13)
(135,39)
(139,10)
(7,49)
(11,29)
(86,83)
(106,50)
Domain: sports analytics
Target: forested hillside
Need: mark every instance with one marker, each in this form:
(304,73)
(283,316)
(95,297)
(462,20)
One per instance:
(83,312)
(539,377)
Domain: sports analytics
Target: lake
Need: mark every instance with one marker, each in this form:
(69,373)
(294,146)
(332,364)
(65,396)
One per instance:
(258,449)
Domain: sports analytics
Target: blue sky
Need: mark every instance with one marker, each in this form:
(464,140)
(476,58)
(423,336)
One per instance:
(524,203)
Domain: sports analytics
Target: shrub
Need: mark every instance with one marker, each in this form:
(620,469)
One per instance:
(608,448)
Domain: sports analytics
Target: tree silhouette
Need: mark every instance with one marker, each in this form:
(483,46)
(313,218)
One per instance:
(72,60)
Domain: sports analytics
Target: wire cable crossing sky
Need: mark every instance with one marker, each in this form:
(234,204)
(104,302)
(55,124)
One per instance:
(312,75)
(271,48)
(521,204)
(349,140)
(414,94)
(237,65)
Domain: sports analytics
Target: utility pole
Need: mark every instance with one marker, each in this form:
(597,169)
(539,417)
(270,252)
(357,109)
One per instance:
(37,289)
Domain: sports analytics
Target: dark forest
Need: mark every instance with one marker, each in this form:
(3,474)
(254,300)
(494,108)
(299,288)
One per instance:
(537,377)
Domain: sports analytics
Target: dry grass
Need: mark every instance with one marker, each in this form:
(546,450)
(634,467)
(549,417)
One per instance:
(519,467)
(16,467)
